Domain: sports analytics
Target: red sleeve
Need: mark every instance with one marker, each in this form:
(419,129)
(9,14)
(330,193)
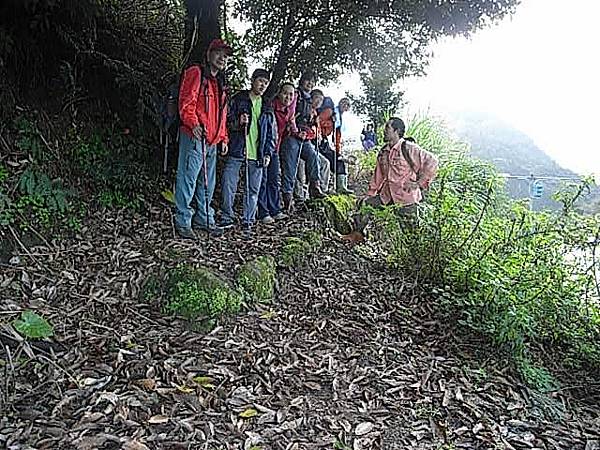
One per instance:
(188,97)
(291,118)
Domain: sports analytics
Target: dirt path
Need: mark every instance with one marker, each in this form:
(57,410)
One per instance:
(348,356)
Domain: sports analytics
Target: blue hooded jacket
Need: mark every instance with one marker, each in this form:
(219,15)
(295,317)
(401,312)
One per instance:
(267,126)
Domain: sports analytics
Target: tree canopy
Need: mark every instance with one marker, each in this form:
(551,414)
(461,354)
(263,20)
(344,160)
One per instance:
(124,52)
(333,36)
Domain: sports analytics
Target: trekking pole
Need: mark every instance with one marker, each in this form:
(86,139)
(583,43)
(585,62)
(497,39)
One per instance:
(298,165)
(205,184)
(247,208)
(335,159)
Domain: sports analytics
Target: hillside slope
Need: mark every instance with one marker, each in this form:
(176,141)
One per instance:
(349,355)
(512,152)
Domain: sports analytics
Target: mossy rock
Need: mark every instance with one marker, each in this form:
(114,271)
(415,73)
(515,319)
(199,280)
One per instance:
(196,292)
(257,279)
(297,249)
(338,209)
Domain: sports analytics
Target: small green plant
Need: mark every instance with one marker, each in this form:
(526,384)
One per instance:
(33,326)
(367,161)
(152,288)
(341,445)
(338,209)
(199,293)
(3,173)
(257,279)
(113,198)
(296,250)
(536,376)
(7,215)
(29,140)
(44,201)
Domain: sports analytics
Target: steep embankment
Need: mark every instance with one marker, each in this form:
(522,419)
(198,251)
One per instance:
(349,355)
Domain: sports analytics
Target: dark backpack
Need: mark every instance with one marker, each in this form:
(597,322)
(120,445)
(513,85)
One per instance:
(407,157)
(303,111)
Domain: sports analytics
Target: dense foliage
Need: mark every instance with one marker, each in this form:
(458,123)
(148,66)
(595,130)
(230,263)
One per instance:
(117,55)
(527,280)
(360,35)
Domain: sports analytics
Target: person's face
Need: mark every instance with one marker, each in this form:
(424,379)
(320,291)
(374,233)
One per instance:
(388,132)
(317,101)
(286,95)
(369,127)
(344,107)
(259,85)
(307,85)
(218,59)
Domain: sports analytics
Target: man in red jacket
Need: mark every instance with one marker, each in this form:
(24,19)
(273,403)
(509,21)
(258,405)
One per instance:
(203,114)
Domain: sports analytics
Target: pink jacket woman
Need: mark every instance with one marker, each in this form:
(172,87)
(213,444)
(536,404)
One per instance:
(400,175)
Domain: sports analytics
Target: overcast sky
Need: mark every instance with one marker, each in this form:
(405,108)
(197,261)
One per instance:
(538,70)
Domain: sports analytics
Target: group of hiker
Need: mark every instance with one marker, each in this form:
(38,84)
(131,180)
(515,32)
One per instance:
(282,144)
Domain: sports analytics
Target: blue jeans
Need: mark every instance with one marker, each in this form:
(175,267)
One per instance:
(292,149)
(231,176)
(190,184)
(268,198)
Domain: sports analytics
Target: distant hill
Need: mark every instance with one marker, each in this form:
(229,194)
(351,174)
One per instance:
(515,153)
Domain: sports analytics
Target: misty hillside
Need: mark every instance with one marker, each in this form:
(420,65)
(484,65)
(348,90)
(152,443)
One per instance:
(512,152)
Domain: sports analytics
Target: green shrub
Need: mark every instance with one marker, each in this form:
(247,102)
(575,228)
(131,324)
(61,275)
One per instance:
(41,200)
(257,279)
(296,250)
(199,293)
(29,140)
(113,167)
(338,209)
(521,278)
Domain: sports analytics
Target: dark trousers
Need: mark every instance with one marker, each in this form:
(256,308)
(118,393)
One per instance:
(326,150)
(407,215)
(268,197)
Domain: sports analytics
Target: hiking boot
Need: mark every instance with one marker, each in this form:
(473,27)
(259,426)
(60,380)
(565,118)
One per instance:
(280,216)
(247,232)
(288,202)
(214,231)
(185,233)
(315,191)
(267,220)
(226,223)
(341,185)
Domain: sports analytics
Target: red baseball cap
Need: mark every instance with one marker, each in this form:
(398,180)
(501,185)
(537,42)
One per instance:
(219,44)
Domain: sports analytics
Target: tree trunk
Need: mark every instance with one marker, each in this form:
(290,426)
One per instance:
(202,25)
(281,64)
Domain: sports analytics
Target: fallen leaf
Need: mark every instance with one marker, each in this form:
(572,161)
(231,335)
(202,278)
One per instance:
(147,383)
(205,382)
(477,428)
(459,395)
(248,413)
(184,389)
(168,196)
(446,400)
(363,428)
(158,419)
(267,315)
(135,445)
